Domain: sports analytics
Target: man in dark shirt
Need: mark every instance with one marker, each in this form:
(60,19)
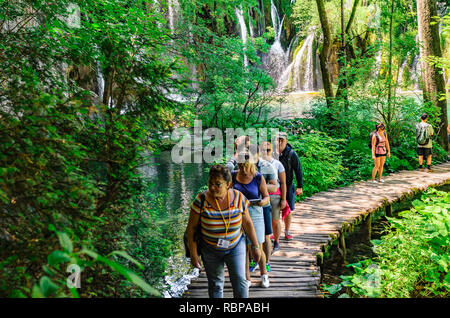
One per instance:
(292,165)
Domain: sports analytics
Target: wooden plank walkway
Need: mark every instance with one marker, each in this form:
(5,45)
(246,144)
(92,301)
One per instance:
(317,222)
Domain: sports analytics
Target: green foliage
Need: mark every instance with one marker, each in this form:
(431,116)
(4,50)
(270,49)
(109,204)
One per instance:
(55,281)
(229,88)
(412,259)
(152,235)
(321,161)
(69,155)
(304,14)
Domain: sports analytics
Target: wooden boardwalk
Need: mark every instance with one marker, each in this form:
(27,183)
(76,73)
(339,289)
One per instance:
(317,222)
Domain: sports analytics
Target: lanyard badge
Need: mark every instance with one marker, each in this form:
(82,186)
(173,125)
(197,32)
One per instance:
(224,243)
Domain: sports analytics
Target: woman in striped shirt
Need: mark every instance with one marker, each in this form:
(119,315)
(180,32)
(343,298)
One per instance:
(222,217)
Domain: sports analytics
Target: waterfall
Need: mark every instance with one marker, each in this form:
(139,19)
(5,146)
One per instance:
(172,7)
(415,72)
(416,68)
(276,58)
(288,52)
(348,4)
(377,64)
(250,26)
(100,82)
(74,18)
(400,74)
(277,25)
(309,69)
(243,30)
(299,75)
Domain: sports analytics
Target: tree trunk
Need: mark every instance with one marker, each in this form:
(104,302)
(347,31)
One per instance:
(389,77)
(433,79)
(323,56)
(347,53)
(352,16)
(341,92)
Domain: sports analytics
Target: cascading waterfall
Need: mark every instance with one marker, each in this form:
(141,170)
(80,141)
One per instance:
(243,30)
(173,9)
(277,25)
(100,82)
(377,64)
(276,59)
(250,27)
(416,68)
(299,75)
(309,69)
(400,74)
(414,71)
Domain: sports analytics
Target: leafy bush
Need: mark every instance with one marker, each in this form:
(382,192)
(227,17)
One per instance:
(151,236)
(412,259)
(70,154)
(321,161)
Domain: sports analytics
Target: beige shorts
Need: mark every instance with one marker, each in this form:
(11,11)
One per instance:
(275,201)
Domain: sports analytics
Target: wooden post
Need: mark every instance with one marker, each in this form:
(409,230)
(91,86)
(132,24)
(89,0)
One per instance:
(388,210)
(341,247)
(320,260)
(368,227)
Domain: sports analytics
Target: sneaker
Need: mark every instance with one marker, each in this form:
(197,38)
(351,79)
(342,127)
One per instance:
(288,237)
(381,181)
(374,181)
(421,169)
(276,246)
(265,281)
(268,267)
(249,283)
(429,170)
(253,266)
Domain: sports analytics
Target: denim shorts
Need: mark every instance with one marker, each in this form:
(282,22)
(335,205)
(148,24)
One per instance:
(257,216)
(267,211)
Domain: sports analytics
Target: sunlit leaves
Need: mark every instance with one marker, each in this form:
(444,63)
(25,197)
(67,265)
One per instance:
(412,260)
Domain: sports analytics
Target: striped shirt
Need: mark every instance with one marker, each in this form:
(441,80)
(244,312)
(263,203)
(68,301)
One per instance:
(212,221)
